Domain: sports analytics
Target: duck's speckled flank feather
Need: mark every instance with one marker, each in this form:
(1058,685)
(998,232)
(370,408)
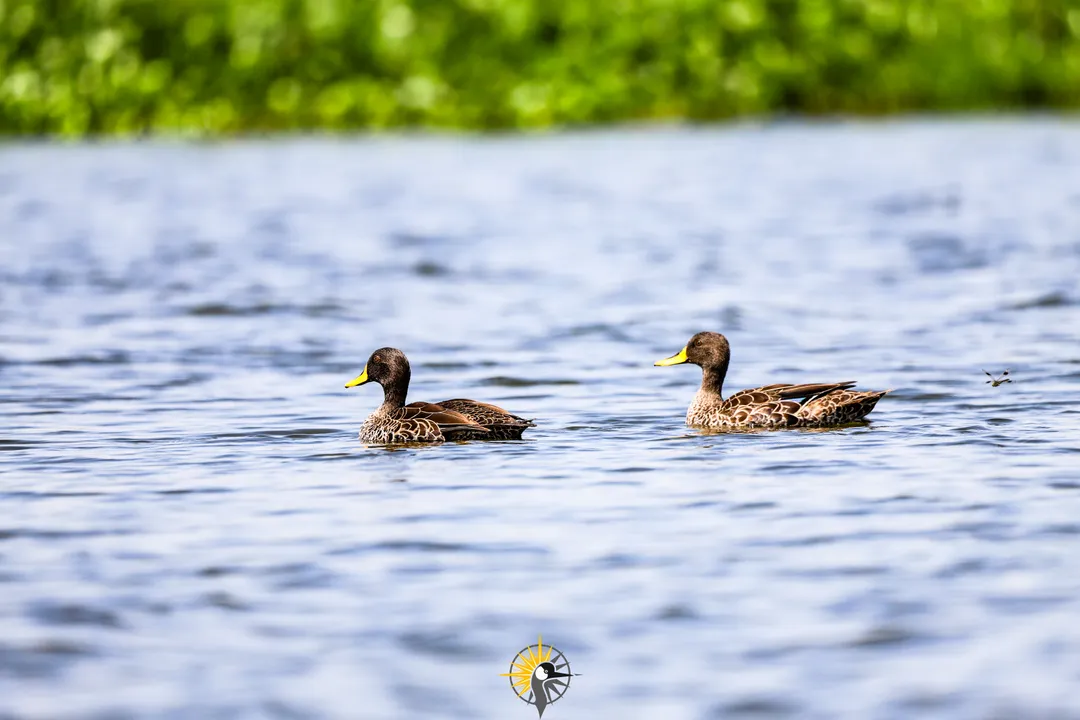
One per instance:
(417,422)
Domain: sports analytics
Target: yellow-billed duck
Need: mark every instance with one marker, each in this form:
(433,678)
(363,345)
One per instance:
(768,407)
(459,419)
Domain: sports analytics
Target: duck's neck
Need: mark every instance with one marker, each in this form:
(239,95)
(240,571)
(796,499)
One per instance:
(394,393)
(712,380)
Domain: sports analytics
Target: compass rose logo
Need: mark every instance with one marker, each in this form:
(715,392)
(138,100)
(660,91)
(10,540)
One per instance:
(540,675)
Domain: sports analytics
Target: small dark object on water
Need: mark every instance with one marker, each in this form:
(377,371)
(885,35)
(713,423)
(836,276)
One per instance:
(994,382)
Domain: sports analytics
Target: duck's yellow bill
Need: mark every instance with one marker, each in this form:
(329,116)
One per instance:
(355,382)
(677,359)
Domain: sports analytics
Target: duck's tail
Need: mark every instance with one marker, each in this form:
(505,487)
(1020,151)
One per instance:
(841,406)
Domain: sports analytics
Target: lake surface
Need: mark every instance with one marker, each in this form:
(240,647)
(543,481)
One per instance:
(190,527)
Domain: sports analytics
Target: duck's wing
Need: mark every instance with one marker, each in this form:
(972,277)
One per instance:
(448,420)
(784,391)
(486,414)
(812,390)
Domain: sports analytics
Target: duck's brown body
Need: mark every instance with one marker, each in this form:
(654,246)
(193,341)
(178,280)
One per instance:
(770,407)
(782,406)
(394,422)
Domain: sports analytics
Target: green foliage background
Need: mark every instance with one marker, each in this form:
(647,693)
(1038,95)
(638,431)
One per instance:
(211,66)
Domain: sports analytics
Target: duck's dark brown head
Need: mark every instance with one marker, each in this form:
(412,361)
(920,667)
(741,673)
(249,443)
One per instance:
(706,350)
(390,368)
(709,351)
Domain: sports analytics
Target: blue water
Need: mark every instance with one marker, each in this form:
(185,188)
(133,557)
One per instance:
(190,527)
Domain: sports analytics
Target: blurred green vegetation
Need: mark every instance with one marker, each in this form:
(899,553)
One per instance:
(209,66)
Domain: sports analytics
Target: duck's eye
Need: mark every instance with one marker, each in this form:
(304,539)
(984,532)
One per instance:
(377,359)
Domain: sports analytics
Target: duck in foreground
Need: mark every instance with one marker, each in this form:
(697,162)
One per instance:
(768,407)
(395,422)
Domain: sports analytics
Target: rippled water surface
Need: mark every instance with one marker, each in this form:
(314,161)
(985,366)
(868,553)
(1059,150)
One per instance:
(191,529)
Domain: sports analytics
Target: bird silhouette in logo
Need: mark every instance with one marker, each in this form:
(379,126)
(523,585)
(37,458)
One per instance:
(544,673)
(540,675)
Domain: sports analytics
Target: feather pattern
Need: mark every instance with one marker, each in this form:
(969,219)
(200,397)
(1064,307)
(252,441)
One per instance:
(417,422)
(497,423)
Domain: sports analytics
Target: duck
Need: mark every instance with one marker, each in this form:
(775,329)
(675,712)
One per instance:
(771,407)
(394,422)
